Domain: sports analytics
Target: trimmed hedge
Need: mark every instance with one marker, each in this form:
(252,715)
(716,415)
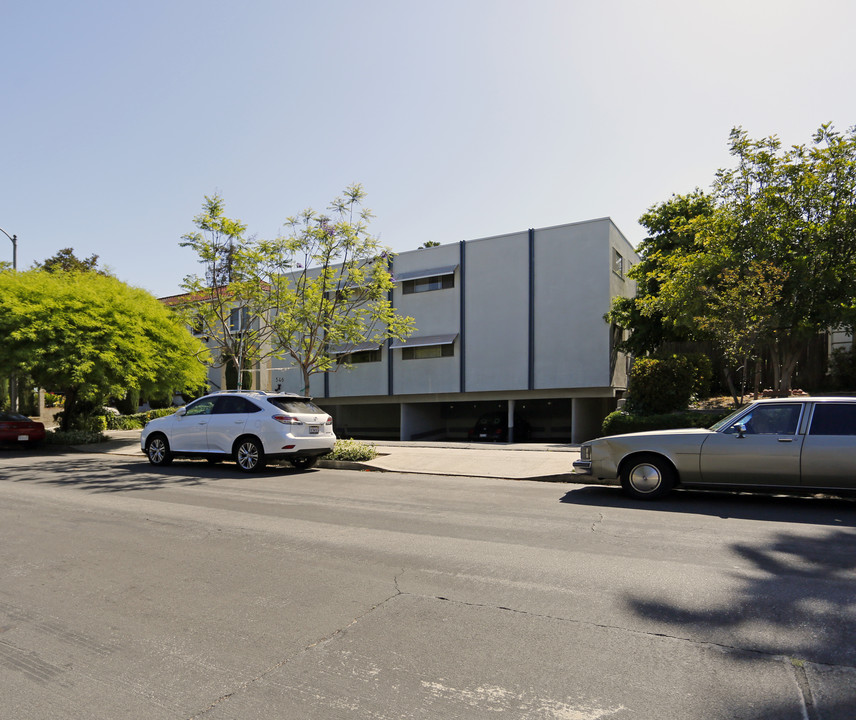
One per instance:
(660,385)
(137,420)
(74,437)
(620,422)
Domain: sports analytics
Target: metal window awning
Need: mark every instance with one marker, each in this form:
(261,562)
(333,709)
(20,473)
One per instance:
(349,348)
(420,274)
(424,340)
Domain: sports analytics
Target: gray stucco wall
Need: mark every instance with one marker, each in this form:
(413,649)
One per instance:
(497,312)
(571,295)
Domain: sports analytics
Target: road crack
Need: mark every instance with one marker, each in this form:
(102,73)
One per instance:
(282,663)
(798,664)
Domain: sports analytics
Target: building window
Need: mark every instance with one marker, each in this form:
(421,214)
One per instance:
(435,282)
(239,320)
(428,351)
(197,325)
(362,356)
(617,263)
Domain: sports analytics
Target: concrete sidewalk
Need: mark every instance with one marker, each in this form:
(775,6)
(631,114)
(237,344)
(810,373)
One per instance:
(523,461)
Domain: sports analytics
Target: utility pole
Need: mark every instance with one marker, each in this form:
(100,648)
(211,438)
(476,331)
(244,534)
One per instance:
(13,383)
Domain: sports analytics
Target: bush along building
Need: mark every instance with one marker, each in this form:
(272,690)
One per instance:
(510,326)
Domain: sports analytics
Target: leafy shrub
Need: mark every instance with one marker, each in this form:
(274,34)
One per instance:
(125,422)
(129,404)
(73,437)
(842,369)
(95,423)
(660,385)
(92,422)
(702,369)
(160,412)
(352,450)
(137,420)
(620,422)
(53,400)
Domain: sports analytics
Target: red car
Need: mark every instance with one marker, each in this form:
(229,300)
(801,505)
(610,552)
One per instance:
(19,429)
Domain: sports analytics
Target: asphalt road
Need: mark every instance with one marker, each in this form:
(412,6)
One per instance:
(128,591)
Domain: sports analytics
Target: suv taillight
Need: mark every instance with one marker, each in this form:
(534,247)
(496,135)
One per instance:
(287,420)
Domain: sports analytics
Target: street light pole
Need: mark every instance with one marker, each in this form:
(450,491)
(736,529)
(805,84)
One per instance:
(14,239)
(13,383)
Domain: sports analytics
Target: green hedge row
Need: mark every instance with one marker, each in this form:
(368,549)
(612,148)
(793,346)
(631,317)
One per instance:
(620,422)
(74,437)
(135,421)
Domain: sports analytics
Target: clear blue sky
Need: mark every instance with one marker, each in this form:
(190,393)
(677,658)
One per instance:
(462,119)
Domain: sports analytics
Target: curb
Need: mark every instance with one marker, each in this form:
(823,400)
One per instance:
(348,465)
(364,467)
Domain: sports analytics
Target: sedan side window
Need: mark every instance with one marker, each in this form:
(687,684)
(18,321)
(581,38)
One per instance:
(771,420)
(833,419)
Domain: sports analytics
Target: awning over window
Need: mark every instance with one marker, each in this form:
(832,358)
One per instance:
(420,274)
(349,348)
(424,340)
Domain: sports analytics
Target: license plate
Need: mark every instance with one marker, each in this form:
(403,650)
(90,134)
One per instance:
(314,429)
(22,438)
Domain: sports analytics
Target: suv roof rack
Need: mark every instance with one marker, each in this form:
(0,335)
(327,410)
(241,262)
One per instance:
(258,392)
(255,392)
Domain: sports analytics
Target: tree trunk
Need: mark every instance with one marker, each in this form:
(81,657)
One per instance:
(69,409)
(785,357)
(729,378)
(757,391)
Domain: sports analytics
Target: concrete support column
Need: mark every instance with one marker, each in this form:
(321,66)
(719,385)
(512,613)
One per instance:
(511,421)
(421,421)
(587,415)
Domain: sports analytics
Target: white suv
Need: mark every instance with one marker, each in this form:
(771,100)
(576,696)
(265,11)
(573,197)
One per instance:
(250,427)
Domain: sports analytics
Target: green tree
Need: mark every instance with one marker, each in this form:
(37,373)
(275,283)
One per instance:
(741,308)
(91,336)
(672,228)
(331,282)
(780,227)
(65,260)
(231,305)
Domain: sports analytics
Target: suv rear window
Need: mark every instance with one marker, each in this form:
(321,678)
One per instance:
(296,406)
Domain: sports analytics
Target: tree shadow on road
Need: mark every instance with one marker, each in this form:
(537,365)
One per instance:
(793,597)
(813,510)
(97,475)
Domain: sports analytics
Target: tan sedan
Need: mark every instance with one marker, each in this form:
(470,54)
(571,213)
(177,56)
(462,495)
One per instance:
(803,444)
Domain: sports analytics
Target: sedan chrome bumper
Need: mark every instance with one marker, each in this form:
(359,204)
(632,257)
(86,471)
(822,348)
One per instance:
(582,467)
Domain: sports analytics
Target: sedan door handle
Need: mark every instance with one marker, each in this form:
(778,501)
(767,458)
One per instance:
(786,439)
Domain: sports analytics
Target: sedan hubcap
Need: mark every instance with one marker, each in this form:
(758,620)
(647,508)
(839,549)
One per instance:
(645,478)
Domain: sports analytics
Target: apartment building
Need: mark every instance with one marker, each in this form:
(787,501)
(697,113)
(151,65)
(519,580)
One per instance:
(510,324)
